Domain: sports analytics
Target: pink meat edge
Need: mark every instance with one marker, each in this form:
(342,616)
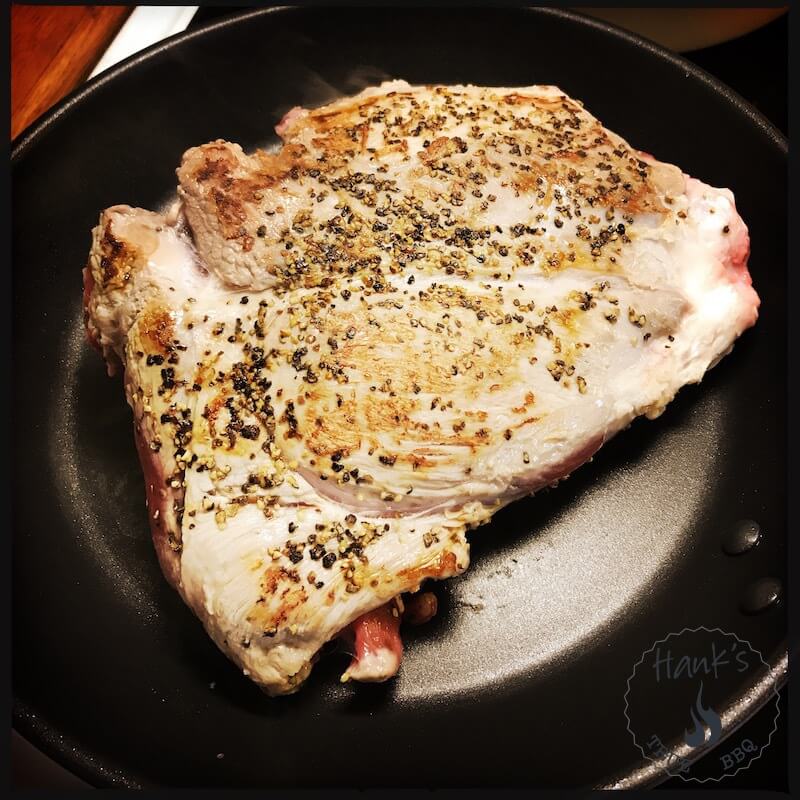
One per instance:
(377,647)
(288,120)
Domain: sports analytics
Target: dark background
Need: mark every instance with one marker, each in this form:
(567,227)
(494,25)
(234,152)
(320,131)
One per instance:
(755,66)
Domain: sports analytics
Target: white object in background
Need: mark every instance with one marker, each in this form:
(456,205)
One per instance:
(686,29)
(145,26)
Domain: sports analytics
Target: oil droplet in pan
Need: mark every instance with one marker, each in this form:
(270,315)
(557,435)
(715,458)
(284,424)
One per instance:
(744,536)
(761,595)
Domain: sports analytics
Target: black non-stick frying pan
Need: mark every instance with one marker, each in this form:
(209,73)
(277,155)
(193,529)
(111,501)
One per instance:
(521,679)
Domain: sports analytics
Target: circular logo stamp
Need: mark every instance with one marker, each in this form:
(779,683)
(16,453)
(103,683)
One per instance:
(675,698)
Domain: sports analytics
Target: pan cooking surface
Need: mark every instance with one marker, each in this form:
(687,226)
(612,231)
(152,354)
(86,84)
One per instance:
(533,645)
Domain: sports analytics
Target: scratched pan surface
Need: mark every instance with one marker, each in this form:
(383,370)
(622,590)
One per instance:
(520,679)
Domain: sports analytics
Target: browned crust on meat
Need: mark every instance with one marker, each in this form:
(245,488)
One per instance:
(281,594)
(117,259)
(385,397)
(233,185)
(343,141)
(211,412)
(444,565)
(157,329)
(340,117)
(389,413)
(332,431)
(442,147)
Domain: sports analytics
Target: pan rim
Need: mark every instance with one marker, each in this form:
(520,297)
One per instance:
(78,760)
(26,138)
(647,775)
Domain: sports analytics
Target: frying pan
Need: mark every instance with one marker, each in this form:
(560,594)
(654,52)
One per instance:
(520,679)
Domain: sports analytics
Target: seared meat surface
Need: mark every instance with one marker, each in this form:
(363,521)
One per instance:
(344,354)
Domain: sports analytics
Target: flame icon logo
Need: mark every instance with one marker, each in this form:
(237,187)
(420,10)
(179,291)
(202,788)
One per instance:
(709,730)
